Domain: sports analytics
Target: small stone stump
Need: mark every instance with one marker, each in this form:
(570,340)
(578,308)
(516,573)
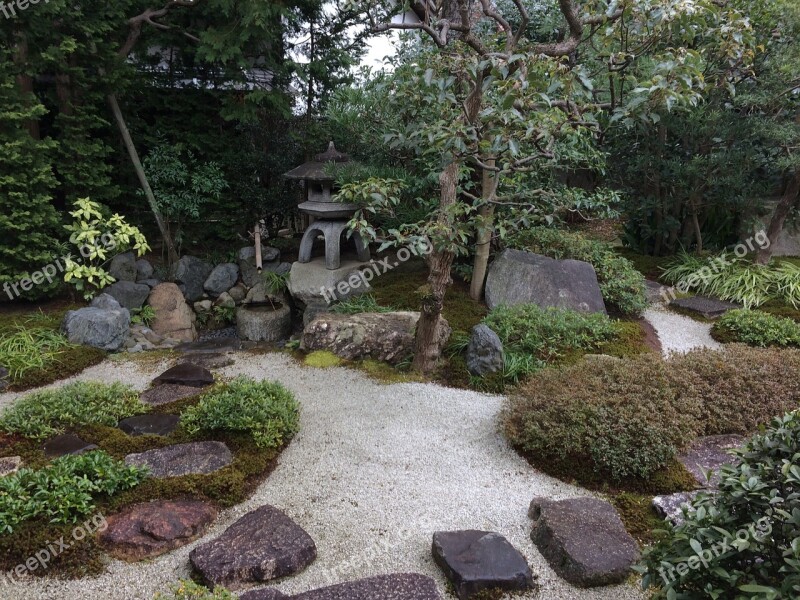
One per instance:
(264,323)
(264,544)
(478,561)
(195,458)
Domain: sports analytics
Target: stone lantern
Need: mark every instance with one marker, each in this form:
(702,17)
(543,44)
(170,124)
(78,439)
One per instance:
(330,218)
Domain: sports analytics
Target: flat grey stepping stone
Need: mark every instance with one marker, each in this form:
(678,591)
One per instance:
(583,540)
(211,360)
(195,458)
(710,308)
(186,374)
(670,506)
(710,453)
(263,545)
(9,465)
(477,561)
(150,529)
(150,424)
(167,393)
(402,586)
(67,443)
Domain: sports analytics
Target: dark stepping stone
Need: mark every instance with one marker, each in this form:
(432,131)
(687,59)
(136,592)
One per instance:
(477,561)
(211,360)
(186,374)
(150,424)
(403,586)
(64,444)
(710,308)
(152,528)
(166,393)
(583,540)
(213,345)
(263,545)
(710,453)
(195,458)
(670,506)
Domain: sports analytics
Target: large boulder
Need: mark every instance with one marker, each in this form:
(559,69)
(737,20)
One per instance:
(173,317)
(313,283)
(192,273)
(123,267)
(263,545)
(485,352)
(583,540)
(104,324)
(247,263)
(129,294)
(221,279)
(517,277)
(400,586)
(382,336)
(194,458)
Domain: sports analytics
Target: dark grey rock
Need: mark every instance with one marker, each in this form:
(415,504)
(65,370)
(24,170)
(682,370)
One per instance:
(583,540)
(123,267)
(129,295)
(186,374)
(221,279)
(314,310)
(64,444)
(191,273)
(263,545)
(150,424)
(710,308)
(401,586)
(195,458)
(710,453)
(478,561)
(247,263)
(485,351)
(151,283)
(517,277)
(670,506)
(279,268)
(167,393)
(104,324)
(144,270)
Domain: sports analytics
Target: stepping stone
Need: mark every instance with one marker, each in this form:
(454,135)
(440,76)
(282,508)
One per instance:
(710,308)
(186,374)
(166,393)
(211,360)
(477,561)
(228,343)
(152,528)
(403,586)
(264,544)
(9,465)
(67,443)
(669,507)
(583,540)
(710,452)
(150,424)
(195,458)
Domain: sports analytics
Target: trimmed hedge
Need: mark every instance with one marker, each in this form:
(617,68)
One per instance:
(756,328)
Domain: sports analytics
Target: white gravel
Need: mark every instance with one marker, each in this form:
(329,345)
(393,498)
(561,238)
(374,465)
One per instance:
(374,471)
(679,333)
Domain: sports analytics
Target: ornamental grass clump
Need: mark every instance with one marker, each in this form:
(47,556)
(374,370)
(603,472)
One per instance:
(266,410)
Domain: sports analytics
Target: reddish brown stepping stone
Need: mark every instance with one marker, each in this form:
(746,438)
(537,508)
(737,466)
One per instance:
(168,392)
(152,528)
(64,444)
(186,374)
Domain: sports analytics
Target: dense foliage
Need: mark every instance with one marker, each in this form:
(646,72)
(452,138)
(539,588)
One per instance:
(757,328)
(187,589)
(621,284)
(47,412)
(629,417)
(64,491)
(743,542)
(265,410)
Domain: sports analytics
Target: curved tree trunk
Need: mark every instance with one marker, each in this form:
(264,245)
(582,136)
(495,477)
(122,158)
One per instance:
(484,237)
(787,201)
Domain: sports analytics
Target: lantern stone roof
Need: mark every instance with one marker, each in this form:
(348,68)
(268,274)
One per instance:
(315,170)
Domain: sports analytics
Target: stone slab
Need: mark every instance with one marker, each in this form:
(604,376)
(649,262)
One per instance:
(186,374)
(167,393)
(194,458)
(150,424)
(710,308)
(710,453)
(64,444)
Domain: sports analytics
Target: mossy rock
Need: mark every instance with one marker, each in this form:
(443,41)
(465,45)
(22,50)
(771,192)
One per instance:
(322,359)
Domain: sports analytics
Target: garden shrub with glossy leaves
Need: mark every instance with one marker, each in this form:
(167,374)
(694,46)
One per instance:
(760,496)
(266,410)
(756,328)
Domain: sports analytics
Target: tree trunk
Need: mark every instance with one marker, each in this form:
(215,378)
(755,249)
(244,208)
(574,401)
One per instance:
(172,254)
(24,80)
(775,227)
(483,243)
(428,341)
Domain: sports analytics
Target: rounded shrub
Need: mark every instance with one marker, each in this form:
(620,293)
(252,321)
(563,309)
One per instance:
(756,328)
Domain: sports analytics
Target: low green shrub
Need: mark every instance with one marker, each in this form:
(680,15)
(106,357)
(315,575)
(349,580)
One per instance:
(743,542)
(42,414)
(189,590)
(629,417)
(757,328)
(65,490)
(533,336)
(620,283)
(264,409)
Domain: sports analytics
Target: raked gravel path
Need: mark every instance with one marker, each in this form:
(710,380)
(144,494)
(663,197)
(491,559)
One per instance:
(374,471)
(679,333)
